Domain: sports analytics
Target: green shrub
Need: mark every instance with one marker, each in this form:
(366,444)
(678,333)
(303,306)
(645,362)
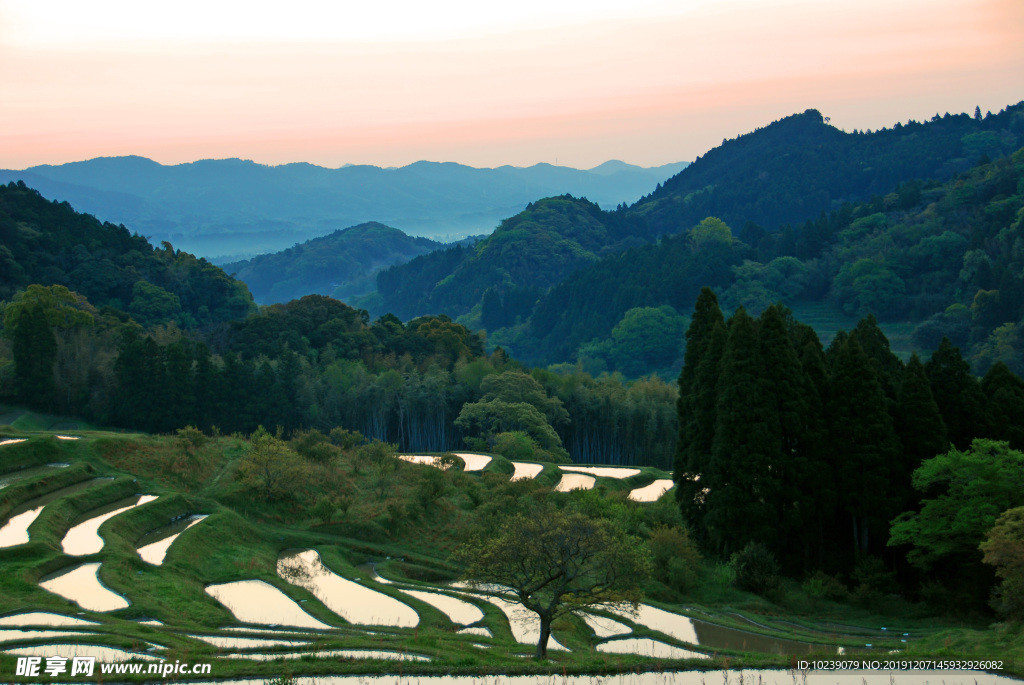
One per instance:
(756,569)
(821,585)
(676,559)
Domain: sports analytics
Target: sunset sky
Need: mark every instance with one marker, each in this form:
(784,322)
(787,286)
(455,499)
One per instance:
(575,82)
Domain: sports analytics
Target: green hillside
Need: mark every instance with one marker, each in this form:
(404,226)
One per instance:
(391,540)
(343,264)
(43,242)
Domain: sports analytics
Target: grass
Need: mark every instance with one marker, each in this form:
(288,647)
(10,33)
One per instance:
(242,538)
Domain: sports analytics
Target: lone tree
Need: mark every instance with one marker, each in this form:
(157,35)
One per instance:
(556,562)
(271,466)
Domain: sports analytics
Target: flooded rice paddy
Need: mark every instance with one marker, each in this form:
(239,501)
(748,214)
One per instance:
(81,584)
(675,625)
(524,623)
(254,601)
(12,635)
(604,626)
(575,481)
(350,600)
(457,610)
(153,546)
(647,647)
(84,538)
(603,471)
(478,631)
(43,618)
(29,472)
(68,651)
(760,677)
(526,471)
(232,642)
(378,654)
(11,441)
(424,459)
(15,531)
(652,492)
(474,462)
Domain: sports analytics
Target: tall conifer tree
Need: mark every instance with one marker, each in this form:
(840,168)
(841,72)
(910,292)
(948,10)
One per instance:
(705,342)
(864,443)
(920,427)
(741,487)
(958,395)
(1004,392)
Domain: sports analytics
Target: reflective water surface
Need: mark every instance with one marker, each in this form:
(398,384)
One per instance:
(84,538)
(350,600)
(648,647)
(603,471)
(67,651)
(43,618)
(232,642)
(254,601)
(652,492)
(575,481)
(15,530)
(758,677)
(459,611)
(474,462)
(30,472)
(81,584)
(524,623)
(604,626)
(12,635)
(153,546)
(526,471)
(334,653)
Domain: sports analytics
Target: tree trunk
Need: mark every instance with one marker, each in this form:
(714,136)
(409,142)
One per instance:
(545,633)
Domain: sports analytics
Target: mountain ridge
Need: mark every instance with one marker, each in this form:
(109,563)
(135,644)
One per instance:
(237,208)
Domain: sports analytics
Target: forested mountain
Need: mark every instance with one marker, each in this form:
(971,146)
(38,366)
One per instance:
(944,255)
(343,264)
(796,167)
(505,272)
(789,171)
(238,208)
(49,242)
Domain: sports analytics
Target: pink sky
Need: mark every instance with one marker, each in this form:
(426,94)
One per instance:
(576,83)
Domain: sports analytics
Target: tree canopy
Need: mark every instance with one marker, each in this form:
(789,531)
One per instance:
(556,562)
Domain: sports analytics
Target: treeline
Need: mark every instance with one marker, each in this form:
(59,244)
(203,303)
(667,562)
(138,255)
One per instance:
(799,166)
(316,363)
(812,452)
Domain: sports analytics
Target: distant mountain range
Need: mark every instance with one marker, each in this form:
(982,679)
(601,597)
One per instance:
(233,209)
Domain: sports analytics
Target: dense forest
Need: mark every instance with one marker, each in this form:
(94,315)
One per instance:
(343,264)
(844,457)
(424,384)
(49,243)
(945,256)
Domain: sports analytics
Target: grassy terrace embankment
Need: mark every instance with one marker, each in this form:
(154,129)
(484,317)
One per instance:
(405,519)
